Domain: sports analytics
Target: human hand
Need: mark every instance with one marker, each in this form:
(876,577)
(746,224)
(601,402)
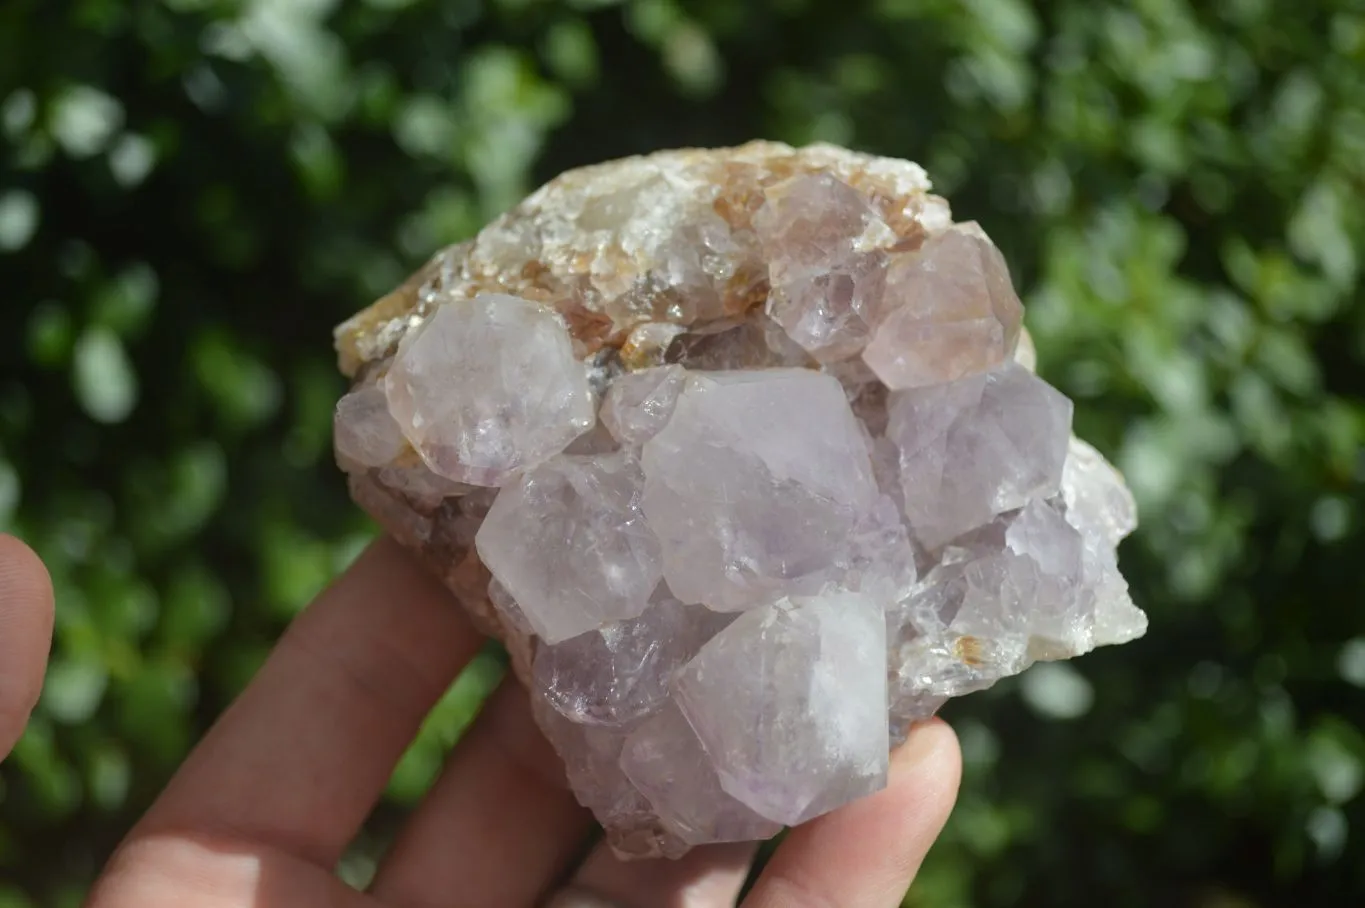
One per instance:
(25,636)
(264,807)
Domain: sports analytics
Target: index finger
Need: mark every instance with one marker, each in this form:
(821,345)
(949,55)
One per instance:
(298,761)
(25,635)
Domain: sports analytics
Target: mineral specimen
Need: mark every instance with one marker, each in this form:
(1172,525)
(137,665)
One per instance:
(741,454)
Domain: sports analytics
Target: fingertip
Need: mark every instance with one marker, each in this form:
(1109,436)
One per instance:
(26,599)
(21,566)
(923,781)
(26,616)
(928,766)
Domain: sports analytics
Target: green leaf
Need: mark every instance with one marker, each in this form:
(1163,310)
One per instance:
(125,304)
(74,689)
(197,607)
(84,119)
(103,376)
(51,334)
(109,777)
(570,50)
(18,219)
(244,390)
(12,897)
(154,710)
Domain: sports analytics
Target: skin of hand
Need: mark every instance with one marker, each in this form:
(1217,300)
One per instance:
(25,636)
(261,811)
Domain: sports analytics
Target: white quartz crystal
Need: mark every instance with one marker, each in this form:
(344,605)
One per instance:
(755,485)
(825,267)
(487,387)
(1097,501)
(741,454)
(1100,506)
(569,543)
(976,447)
(949,312)
(638,404)
(365,433)
(789,702)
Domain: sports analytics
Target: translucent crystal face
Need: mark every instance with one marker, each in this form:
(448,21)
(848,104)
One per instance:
(976,447)
(825,272)
(755,486)
(489,387)
(741,454)
(948,311)
(569,543)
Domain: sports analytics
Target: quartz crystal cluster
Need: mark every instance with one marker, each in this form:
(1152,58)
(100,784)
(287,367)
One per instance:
(740,453)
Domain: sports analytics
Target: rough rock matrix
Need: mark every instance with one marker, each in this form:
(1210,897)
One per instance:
(740,453)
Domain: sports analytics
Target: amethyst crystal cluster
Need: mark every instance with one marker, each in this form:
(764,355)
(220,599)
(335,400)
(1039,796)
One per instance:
(740,453)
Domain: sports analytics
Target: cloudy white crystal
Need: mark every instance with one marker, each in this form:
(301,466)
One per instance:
(1099,505)
(755,485)
(1097,501)
(950,312)
(638,404)
(487,387)
(789,702)
(569,543)
(826,272)
(364,433)
(1011,593)
(977,447)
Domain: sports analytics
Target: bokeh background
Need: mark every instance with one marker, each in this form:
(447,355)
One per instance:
(192,192)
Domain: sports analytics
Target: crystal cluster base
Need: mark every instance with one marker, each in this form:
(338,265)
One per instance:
(741,454)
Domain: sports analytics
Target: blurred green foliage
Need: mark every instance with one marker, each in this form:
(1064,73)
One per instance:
(193,191)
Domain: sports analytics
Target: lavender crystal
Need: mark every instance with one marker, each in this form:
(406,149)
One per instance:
(740,453)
